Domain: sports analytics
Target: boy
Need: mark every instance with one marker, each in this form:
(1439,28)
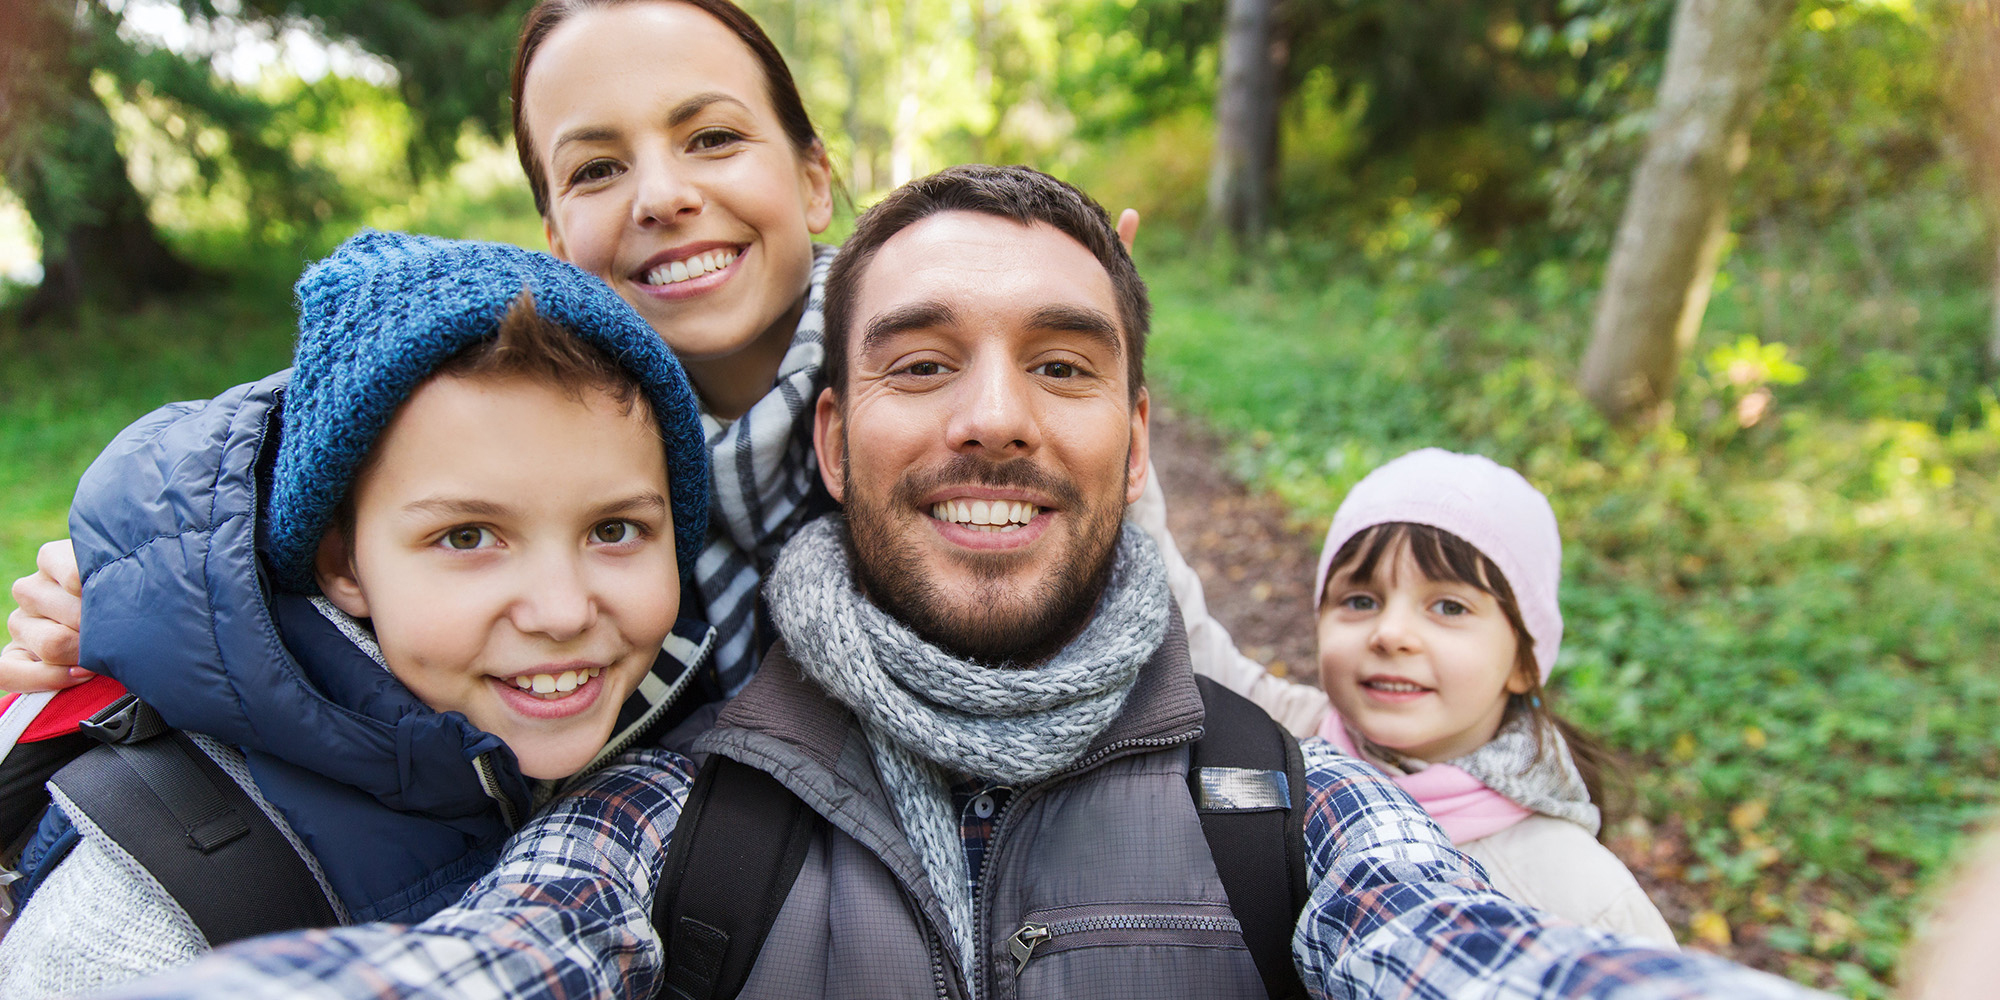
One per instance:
(487,485)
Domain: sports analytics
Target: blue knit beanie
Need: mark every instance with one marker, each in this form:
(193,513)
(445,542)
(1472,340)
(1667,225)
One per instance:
(381,314)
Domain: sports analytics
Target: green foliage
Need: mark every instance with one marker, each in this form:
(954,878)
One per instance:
(1775,601)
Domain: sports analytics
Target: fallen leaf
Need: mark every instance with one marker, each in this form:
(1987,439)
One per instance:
(1710,928)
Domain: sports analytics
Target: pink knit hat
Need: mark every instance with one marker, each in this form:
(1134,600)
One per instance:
(1479,500)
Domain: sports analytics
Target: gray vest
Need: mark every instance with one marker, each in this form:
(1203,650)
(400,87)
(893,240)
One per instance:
(1097,882)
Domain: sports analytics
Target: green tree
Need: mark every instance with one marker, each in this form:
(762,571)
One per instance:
(58,144)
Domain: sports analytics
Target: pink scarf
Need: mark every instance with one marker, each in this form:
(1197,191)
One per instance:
(1465,807)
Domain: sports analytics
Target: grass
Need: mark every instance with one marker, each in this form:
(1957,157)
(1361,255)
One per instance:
(1782,623)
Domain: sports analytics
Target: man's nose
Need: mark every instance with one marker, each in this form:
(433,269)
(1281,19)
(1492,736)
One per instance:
(995,411)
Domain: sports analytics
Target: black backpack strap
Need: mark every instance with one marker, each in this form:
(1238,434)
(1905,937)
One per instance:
(739,845)
(1248,780)
(182,817)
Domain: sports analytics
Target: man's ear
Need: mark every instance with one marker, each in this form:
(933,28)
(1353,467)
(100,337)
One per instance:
(333,568)
(829,443)
(1139,455)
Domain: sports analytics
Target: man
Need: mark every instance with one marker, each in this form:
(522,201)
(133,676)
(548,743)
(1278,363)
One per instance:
(983,693)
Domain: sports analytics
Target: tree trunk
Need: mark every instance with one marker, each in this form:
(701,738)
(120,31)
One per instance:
(61,157)
(1993,344)
(1663,261)
(1242,173)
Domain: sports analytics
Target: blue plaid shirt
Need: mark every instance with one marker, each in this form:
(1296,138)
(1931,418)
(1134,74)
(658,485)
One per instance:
(1395,912)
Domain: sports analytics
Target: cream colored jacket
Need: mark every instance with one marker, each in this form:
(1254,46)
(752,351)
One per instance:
(1552,864)
(1296,706)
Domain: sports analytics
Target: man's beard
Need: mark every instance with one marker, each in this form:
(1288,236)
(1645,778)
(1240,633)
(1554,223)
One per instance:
(994,623)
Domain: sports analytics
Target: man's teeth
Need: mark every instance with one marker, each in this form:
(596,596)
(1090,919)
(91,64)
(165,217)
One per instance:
(556,684)
(693,267)
(985,515)
(1398,687)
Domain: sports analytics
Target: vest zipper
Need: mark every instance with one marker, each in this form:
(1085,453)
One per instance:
(489,781)
(1033,935)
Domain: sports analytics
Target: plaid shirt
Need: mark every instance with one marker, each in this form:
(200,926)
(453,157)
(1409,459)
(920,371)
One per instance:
(1395,912)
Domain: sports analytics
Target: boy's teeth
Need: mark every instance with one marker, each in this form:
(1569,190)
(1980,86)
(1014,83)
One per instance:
(556,684)
(693,267)
(987,515)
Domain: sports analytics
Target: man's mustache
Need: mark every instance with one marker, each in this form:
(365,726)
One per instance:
(971,470)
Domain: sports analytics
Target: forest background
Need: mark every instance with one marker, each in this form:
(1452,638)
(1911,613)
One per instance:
(1778,585)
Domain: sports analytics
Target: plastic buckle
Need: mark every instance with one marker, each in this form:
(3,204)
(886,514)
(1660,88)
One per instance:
(123,721)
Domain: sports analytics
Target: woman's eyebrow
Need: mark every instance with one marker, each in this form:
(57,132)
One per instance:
(695,105)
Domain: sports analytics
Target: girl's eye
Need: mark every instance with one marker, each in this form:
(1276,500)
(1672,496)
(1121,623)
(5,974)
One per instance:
(713,138)
(1450,608)
(465,538)
(1058,369)
(595,170)
(614,532)
(1359,602)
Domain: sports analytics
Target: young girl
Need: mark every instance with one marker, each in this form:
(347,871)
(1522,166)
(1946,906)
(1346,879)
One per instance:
(671,155)
(1438,625)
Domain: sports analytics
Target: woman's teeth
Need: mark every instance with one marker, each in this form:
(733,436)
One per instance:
(985,515)
(693,267)
(553,685)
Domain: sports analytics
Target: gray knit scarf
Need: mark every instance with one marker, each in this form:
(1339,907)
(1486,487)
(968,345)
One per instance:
(763,468)
(927,712)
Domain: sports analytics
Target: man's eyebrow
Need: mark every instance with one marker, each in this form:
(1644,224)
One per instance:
(915,316)
(1079,319)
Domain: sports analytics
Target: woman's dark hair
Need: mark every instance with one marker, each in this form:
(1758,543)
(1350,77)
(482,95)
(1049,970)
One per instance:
(550,14)
(1441,555)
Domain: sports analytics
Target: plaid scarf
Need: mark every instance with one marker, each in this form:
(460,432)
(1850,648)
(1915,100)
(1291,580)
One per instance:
(762,467)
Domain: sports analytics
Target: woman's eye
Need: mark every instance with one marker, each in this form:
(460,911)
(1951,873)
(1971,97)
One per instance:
(614,532)
(713,138)
(1058,369)
(466,538)
(595,170)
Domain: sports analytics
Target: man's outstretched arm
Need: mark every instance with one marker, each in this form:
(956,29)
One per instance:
(566,914)
(1396,911)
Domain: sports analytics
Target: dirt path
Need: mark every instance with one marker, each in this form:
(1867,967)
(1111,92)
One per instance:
(1255,569)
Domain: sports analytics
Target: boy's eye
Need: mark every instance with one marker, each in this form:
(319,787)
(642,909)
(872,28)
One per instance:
(614,532)
(1450,608)
(467,537)
(1359,602)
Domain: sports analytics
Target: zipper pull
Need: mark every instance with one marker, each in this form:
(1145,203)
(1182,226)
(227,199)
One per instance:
(1024,942)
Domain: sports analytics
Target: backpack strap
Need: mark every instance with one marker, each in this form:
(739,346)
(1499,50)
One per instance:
(183,818)
(737,849)
(1248,781)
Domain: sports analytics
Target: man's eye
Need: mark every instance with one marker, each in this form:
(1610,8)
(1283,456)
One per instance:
(466,538)
(614,532)
(924,368)
(1059,369)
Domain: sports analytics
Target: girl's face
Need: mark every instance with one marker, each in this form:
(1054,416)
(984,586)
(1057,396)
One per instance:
(1417,665)
(671,177)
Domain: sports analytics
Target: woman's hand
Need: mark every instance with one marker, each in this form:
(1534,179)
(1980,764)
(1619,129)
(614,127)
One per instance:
(44,649)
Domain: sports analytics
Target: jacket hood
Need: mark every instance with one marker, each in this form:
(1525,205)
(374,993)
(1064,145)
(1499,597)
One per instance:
(165,525)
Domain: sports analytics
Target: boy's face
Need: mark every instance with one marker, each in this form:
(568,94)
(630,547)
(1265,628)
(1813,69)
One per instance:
(514,550)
